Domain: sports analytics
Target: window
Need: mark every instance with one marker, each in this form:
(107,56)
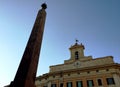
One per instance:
(76,55)
(68,74)
(97,70)
(53,76)
(88,72)
(53,85)
(90,83)
(107,69)
(69,84)
(61,75)
(99,82)
(61,84)
(79,84)
(110,81)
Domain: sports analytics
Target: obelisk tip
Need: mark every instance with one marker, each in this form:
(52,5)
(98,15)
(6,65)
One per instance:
(44,6)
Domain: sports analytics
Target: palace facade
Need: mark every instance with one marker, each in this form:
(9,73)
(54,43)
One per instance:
(82,71)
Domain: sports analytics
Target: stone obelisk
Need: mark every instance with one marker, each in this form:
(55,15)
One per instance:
(26,73)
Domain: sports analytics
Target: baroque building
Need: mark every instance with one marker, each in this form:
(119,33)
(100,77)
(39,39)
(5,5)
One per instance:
(82,71)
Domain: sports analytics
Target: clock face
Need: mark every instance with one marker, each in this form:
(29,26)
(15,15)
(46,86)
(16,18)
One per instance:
(77,64)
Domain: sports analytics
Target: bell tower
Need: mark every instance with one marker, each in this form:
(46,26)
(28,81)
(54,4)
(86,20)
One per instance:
(26,73)
(77,51)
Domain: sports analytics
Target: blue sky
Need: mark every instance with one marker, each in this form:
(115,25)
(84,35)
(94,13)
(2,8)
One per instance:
(95,23)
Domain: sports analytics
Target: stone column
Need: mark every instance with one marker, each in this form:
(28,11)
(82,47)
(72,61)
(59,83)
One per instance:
(95,82)
(117,80)
(74,83)
(104,81)
(84,82)
(49,84)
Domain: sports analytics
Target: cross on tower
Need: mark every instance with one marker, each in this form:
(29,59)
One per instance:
(77,41)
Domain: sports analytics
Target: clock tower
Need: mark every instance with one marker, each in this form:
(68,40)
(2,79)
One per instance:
(77,51)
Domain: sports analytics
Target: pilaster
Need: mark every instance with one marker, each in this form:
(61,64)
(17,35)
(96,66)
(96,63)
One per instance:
(117,80)
(84,82)
(104,81)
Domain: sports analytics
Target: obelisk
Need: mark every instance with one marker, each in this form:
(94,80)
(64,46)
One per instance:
(26,73)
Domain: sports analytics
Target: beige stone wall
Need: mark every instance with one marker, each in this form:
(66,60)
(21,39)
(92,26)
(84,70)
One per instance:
(103,73)
(73,78)
(82,64)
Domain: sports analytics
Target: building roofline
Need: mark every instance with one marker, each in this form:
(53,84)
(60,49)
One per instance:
(115,65)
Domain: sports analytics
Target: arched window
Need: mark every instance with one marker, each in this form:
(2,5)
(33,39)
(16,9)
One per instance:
(76,55)
(99,82)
